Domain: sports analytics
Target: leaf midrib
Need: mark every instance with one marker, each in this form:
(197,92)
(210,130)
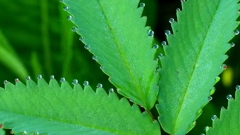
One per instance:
(195,66)
(122,56)
(63,122)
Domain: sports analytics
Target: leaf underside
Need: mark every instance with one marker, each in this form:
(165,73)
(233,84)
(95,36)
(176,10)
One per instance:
(229,122)
(52,109)
(115,33)
(193,59)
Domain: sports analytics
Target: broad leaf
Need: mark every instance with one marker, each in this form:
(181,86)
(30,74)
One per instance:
(115,33)
(193,59)
(229,122)
(50,109)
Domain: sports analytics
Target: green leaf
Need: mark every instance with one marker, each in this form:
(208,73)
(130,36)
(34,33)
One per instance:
(193,59)
(2,132)
(116,35)
(229,122)
(64,110)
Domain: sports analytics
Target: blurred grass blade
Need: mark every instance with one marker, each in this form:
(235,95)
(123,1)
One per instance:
(10,59)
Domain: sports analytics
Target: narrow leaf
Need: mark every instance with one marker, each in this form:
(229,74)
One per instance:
(50,109)
(9,57)
(115,33)
(229,122)
(193,59)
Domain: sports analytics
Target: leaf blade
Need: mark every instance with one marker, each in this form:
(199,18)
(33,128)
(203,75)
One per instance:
(190,56)
(229,121)
(121,45)
(64,110)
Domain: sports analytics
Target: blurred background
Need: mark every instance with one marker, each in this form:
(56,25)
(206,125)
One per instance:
(36,38)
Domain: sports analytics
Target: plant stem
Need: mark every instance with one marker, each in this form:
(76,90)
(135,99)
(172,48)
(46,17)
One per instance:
(150,113)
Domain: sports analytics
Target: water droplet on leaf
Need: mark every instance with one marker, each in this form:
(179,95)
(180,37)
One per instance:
(16,80)
(39,77)
(69,17)
(75,81)
(111,90)
(62,80)
(224,66)
(74,29)
(229,96)
(163,43)
(65,8)
(52,77)
(160,55)
(178,9)
(81,38)
(167,32)
(24,132)
(155,46)
(142,4)
(223,108)
(237,87)
(232,44)
(206,128)
(182,0)
(28,78)
(94,57)
(214,117)
(87,47)
(36,133)
(150,33)
(85,83)
(5,82)
(210,98)
(101,67)
(171,20)
(236,32)
(99,85)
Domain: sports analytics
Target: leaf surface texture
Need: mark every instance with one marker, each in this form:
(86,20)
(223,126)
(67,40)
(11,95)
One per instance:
(193,59)
(115,33)
(229,122)
(52,109)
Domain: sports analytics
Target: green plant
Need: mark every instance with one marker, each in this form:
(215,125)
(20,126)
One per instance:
(122,45)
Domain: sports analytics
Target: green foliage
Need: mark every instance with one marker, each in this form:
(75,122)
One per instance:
(229,121)
(129,62)
(2,132)
(64,110)
(10,60)
(116,34)
(196,49)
